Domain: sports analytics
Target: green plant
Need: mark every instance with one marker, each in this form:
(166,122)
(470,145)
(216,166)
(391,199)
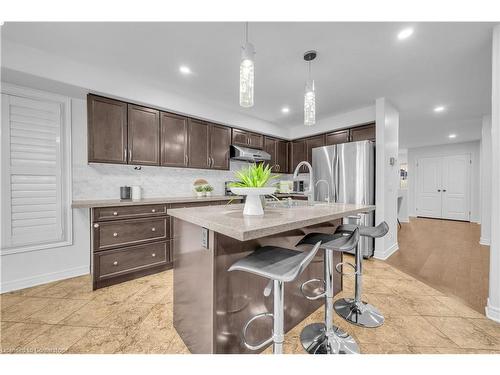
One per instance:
(255,176)
(208,188)
(199,188)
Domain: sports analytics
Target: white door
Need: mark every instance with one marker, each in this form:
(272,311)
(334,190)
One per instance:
(455,187)
(429,187)
(443,187)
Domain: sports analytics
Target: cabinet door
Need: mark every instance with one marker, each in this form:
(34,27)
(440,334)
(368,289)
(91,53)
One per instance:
(256,141)
(240,138)
(338,137)
(282,156)
(363,133)
(107,130)
(298,154)
(312,142)
(220,142)
(198,144)
(174,140)
(143,135)
(270,146)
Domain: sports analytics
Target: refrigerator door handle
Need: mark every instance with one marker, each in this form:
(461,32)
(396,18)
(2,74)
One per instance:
(335,176)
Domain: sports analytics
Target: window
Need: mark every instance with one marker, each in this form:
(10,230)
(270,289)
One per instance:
(36,170)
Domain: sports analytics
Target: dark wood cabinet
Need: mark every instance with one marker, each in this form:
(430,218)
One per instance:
(220,142)
(271,146)
(198,144)
(247,139)
(363,133)
(143,135)
(282,156)
(335,138)
(107,130)
(313,142)
(174,140)
(298,153)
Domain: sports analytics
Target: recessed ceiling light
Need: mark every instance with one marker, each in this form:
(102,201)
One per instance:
(184,69)
(285,110)
(405,33)
(439,108)
(452,136)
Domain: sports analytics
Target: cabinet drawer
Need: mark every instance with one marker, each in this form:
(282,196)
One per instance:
(134,258)
(110,234)
(126,212)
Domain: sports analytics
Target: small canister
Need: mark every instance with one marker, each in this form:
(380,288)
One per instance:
(136,193)
(125,192)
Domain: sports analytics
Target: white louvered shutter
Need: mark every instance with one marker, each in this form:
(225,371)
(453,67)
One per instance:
(34,203)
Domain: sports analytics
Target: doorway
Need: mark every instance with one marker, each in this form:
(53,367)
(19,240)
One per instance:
(443,187)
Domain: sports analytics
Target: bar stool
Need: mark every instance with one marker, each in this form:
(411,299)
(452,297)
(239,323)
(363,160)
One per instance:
(326,338)
(355,310)
(280,266)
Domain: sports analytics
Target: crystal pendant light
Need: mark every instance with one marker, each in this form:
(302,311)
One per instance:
(309,94)
(247,72)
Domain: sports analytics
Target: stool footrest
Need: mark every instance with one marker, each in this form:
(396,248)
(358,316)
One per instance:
(245,328)
(337,268)
(318,296)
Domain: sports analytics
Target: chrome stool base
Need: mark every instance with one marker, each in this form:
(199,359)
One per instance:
(358,312)
(315,340)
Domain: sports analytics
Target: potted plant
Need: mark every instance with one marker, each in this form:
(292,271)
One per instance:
(200,190)
(208,190)
(253,182)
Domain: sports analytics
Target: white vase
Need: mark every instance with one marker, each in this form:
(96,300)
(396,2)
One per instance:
(208,193)
(253,204)
(200,194)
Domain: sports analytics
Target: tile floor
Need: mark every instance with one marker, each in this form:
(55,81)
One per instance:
(136,317)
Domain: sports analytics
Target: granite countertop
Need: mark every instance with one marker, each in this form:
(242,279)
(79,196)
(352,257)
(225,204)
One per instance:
(91,203)
(229,220)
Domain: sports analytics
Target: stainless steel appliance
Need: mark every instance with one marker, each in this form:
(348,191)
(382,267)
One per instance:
(349,170)
(248,154)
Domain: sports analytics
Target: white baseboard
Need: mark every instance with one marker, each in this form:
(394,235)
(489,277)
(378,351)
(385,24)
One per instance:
(387,253)
(404,219)
(484,241)
(8,286)
(492,312)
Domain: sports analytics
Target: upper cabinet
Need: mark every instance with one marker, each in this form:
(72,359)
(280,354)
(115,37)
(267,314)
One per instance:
(219,142)
(174,140)
(143,135)
(341,136)
(363,133)
(198,144)
(107,130)
(270,146)
(298,153)
(282,156)
(247,139)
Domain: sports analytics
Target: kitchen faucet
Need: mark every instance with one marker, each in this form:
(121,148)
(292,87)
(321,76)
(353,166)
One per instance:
(328,186)
(310,191)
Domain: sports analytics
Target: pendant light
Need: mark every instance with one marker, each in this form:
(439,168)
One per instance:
(309,94)
(247,72)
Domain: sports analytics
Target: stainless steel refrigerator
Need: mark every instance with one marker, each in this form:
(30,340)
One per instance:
(349,171)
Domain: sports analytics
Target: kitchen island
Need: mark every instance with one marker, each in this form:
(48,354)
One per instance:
(212,305)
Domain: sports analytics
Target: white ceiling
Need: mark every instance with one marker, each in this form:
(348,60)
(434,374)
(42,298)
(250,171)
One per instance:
(442,63)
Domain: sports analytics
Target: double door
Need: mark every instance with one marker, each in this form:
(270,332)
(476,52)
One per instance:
(278,150)
(443,187)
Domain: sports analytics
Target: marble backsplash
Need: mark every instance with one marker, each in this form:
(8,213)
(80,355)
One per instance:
(103,181)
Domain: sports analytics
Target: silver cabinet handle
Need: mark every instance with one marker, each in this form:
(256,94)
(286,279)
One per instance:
(115,263)
(153,255)
(96,225)
(153,210)
(125,154)
(130,154)
(153,229)
(115,213)
(185,159)
(115,234)
(213,162)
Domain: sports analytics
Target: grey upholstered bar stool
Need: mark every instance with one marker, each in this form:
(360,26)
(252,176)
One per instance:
(280,266)
(326,338)
(355,310)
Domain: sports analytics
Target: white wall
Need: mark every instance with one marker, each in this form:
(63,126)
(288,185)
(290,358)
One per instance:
(485,189)
(386,176)
(446,150)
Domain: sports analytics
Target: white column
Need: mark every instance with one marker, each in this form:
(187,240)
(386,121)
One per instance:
(486,182)
(386,176)
(493,307)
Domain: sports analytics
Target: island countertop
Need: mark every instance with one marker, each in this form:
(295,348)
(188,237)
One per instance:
(230,221)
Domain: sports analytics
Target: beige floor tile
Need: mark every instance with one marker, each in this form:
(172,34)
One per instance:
(428,305)
(20,311)
(128,314)
(92,314)
(409,287)
(8,300)
(459,308)
(153,293)
(56,310)
(390,305)
(19,334)
(57,339)
(100,341)
(4,326)
(31,291)
(489,326)
(431,350)
(118,293)
(74,288)
(385,349)
(464,333)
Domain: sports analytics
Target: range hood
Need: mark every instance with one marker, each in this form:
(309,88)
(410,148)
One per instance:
(248,154)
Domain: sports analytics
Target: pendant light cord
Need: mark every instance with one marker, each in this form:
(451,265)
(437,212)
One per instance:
(246,32)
